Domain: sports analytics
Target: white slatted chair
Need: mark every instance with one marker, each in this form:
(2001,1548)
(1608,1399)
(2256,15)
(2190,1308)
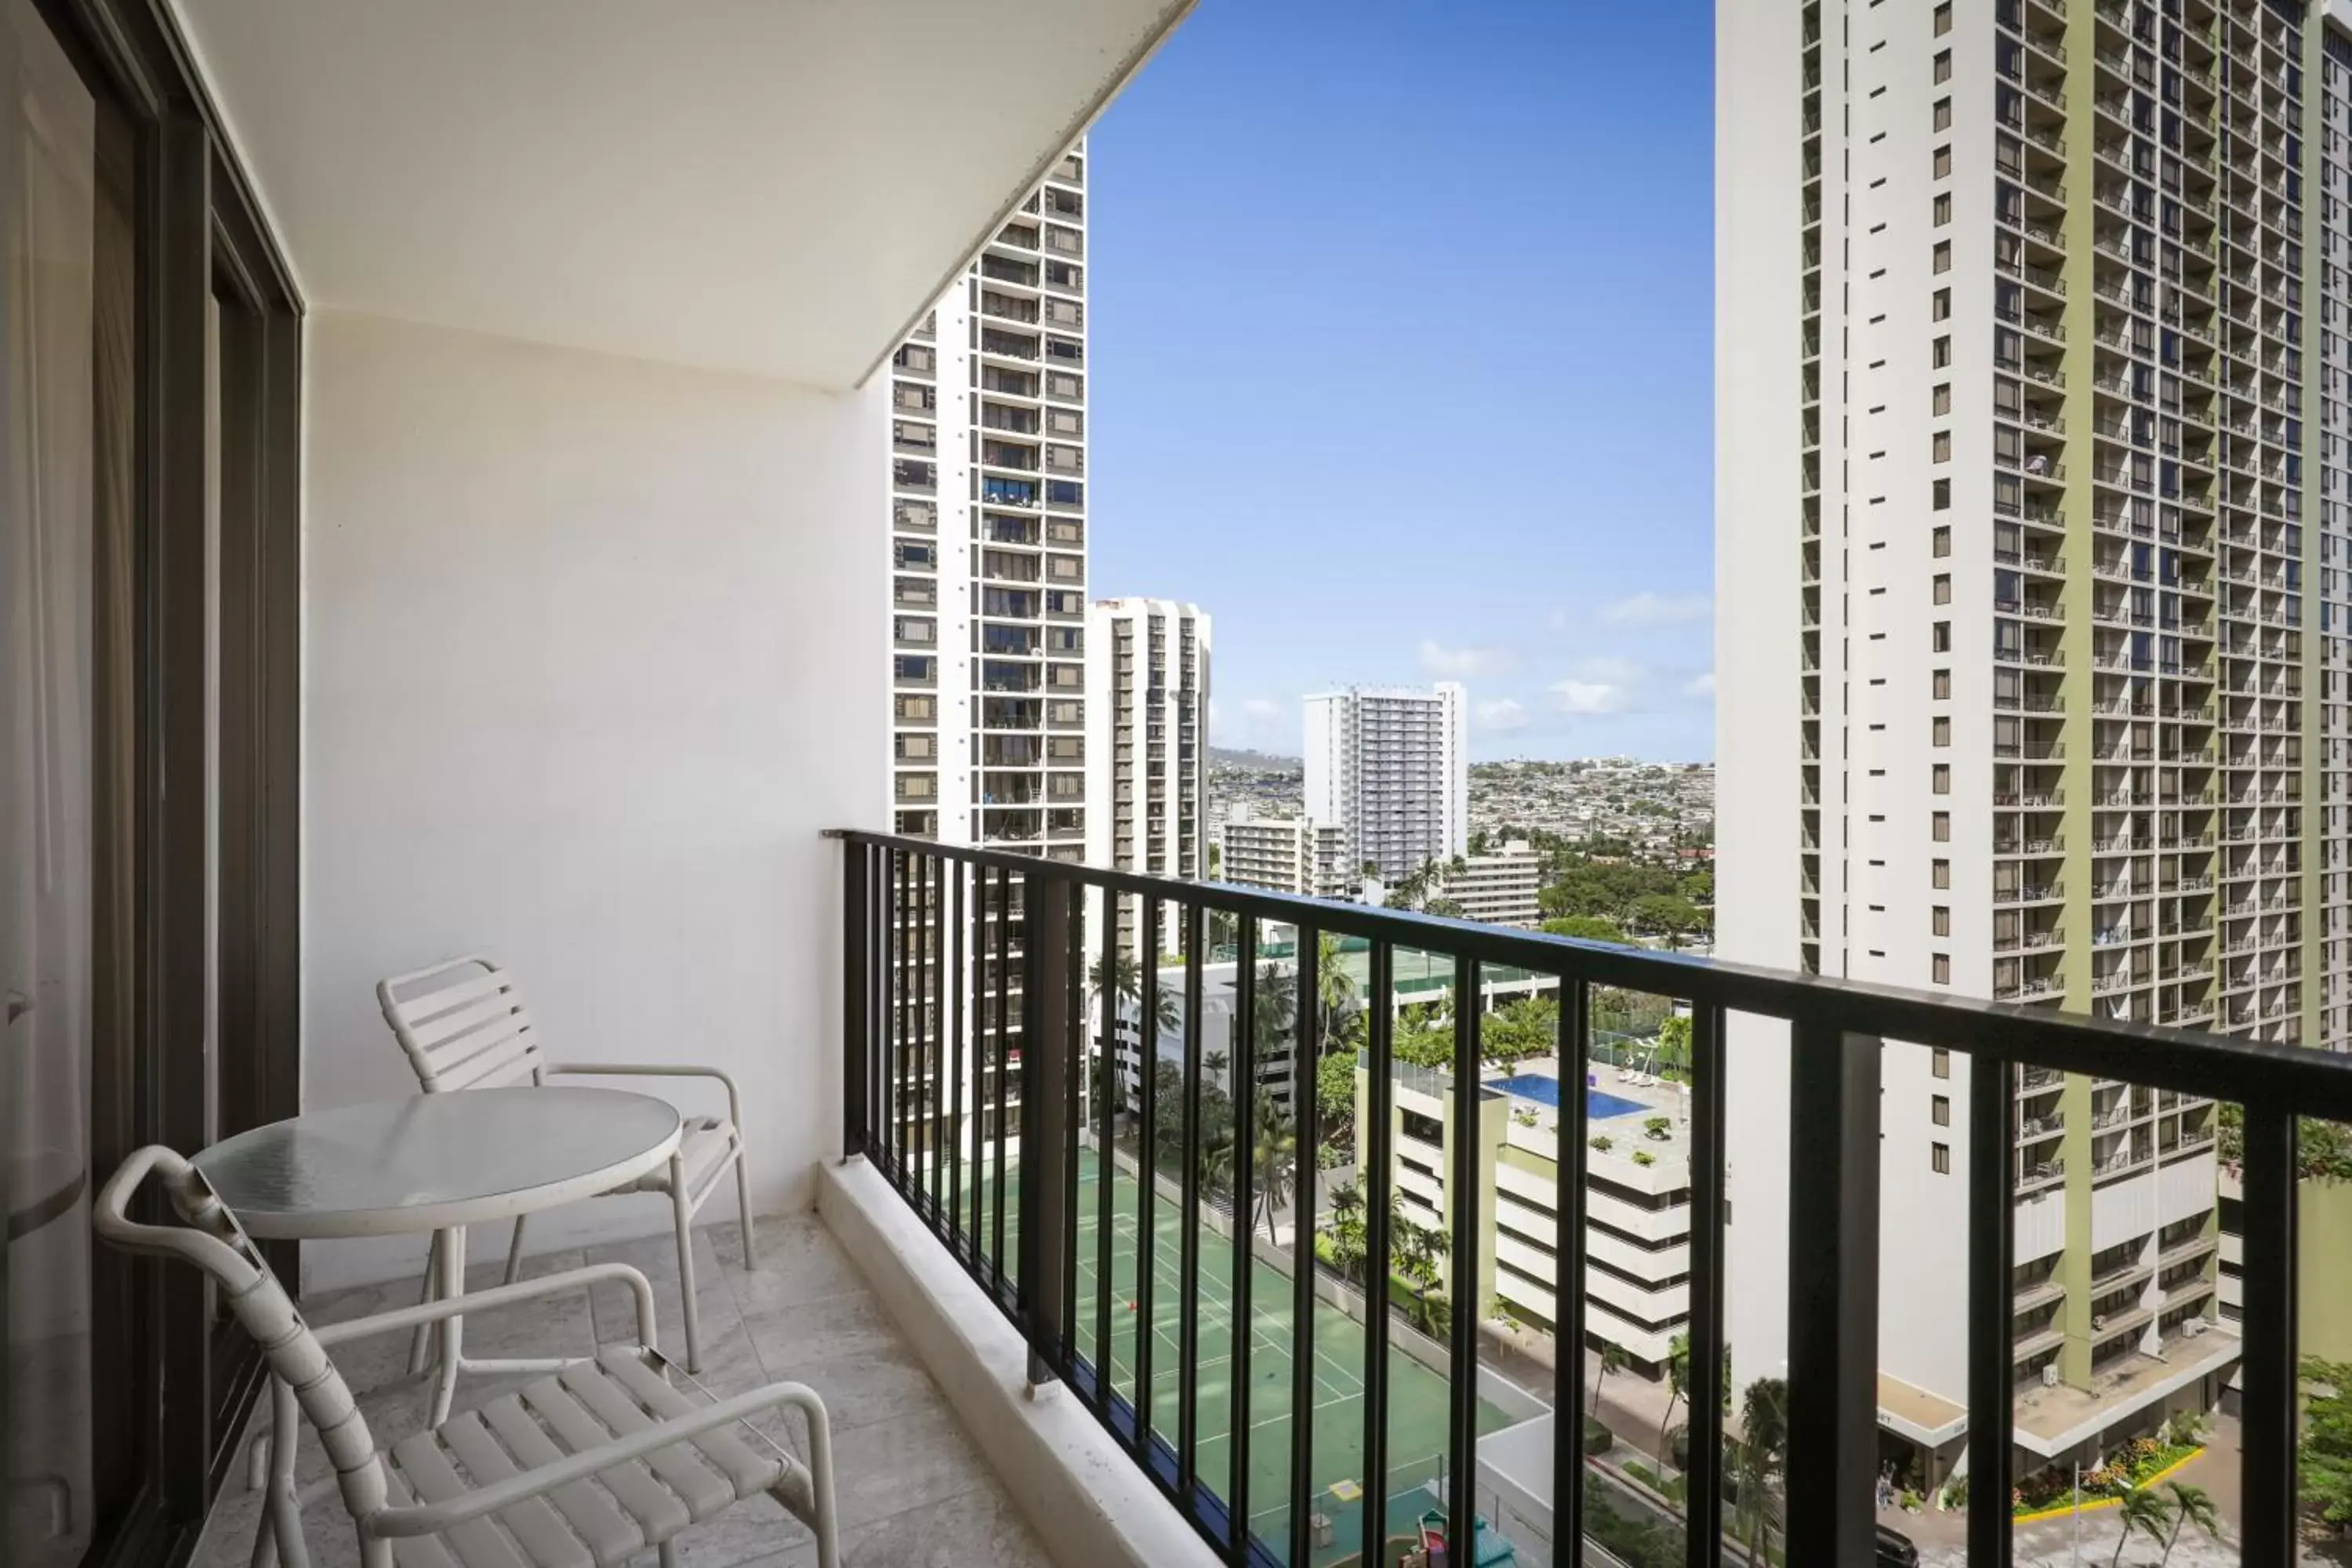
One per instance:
(464,1025)
(584,1468)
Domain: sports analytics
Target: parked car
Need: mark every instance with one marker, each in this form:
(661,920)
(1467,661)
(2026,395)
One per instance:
(1894,1550)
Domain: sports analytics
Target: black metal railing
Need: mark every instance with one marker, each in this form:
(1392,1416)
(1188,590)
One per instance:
(968,973)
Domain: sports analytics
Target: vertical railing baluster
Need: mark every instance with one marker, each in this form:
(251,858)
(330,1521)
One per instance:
(1568,1278)
(1044,1035)
(1992,1308)
(977,1122)
(878,980)
(903,1013)
(1003,1066)
(1463,1198)
(1073,1123)
(1703,1428)
(1107,1094)
(1188,1241)
(935,1038)
(856,1023)
(1832,1464)
(1373,1147)
(953,1115)
(1243,1060)
(1306,1044)
(1146,1167)
(2269,1330)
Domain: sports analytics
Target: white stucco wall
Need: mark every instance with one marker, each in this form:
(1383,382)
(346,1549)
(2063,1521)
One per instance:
(594,648)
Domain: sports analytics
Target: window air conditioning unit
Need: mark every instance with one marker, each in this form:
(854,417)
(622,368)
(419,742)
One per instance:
(2098,1320)
(2050,1374)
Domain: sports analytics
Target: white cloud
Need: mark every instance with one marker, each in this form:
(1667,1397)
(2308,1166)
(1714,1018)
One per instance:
(1612,669)
(1500,714)
(1657,610)
(1262,707)
(1701,686)
(1588,696)
(1461,663)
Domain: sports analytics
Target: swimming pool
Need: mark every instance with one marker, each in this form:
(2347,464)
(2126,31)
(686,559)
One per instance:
(1597,1106)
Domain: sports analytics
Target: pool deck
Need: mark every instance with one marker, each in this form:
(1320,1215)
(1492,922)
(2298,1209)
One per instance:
(1644,1101)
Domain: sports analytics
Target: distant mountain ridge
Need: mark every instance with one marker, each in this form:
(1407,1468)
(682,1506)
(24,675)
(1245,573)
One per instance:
(1263,762)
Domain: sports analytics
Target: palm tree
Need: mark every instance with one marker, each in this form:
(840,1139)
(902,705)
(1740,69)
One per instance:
(1612,1359)
(1418,1253)
(2143,1512)
(1761,1455)
(1677,1384)
(2190,1505)
(1335,989)
(1277,1157)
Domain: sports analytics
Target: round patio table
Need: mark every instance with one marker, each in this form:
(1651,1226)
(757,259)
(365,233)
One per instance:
(439,1162)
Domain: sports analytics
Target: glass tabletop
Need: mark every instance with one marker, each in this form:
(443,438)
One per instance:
(433,1161)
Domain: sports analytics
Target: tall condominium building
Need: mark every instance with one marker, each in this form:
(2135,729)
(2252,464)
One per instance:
(1391,766)
(988,541)
(1289,854)
(1146,747)
(2031,568)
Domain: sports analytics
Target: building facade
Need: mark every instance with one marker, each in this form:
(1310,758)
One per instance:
(988,541)
(2042,618)
(1147,752)
(1288,855)
(1391,765)
(1500,888)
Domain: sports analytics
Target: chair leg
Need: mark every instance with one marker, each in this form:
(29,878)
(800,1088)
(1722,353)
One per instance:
(822,1520)
(686,1263)
(514,1251)
(669,1555)
(280,1526)
(420,1344)
(744,1198)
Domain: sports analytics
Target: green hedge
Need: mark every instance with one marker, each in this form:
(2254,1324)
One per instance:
(1597,1439)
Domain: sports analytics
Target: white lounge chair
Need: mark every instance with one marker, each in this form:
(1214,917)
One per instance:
(464,1025)
(584,1468)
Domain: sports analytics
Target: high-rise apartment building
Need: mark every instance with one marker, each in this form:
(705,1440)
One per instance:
(1289,855)
(1391,766)
(2032,569)
(1146,747)
(988,541)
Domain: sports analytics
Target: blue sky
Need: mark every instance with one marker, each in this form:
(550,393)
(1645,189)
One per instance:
(1400,319)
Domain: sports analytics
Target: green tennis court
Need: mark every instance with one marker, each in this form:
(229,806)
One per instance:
(1418,1424)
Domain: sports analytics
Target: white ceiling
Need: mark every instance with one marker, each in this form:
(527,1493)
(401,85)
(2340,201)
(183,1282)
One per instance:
(775,186)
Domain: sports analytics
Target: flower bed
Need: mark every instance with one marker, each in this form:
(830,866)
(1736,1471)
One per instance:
(2129,1465)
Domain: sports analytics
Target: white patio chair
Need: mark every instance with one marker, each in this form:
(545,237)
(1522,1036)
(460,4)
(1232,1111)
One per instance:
(464,1025)
(582,1468)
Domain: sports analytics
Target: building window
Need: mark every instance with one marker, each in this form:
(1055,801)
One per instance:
(1943,587)
(1940,636)
(1940,540)
(1943,65)
(1939,827)
(1940,447)
(1944,18)
(1942,208)
(1939,968)
(1939,873)
(1943,264)
(1940,780)
(1943,114)
(1940,921)
(1939,1156)
(1944,161)
(1939,731)
(1940,1063)
(1941,305)
(1940,1108)
(1941,352)
(1941,495)
(1941,685)
(1942,401)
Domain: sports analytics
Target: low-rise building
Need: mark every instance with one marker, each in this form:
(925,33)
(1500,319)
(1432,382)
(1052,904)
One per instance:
(1286,854)
(1500,888)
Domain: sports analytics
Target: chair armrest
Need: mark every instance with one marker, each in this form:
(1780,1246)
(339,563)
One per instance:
(656,1070)
(333,1334)
(431,1518)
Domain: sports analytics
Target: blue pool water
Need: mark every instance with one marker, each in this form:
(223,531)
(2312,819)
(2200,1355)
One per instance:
(1597,1106)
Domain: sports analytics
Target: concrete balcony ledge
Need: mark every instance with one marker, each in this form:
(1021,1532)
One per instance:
(1079,1491)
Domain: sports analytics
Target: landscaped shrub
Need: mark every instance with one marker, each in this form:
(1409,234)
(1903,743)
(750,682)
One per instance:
(1597,1439)
(1660,1127)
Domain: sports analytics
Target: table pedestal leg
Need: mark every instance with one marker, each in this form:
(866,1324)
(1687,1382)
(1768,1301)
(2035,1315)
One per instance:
(450,1334)
(420,1346)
